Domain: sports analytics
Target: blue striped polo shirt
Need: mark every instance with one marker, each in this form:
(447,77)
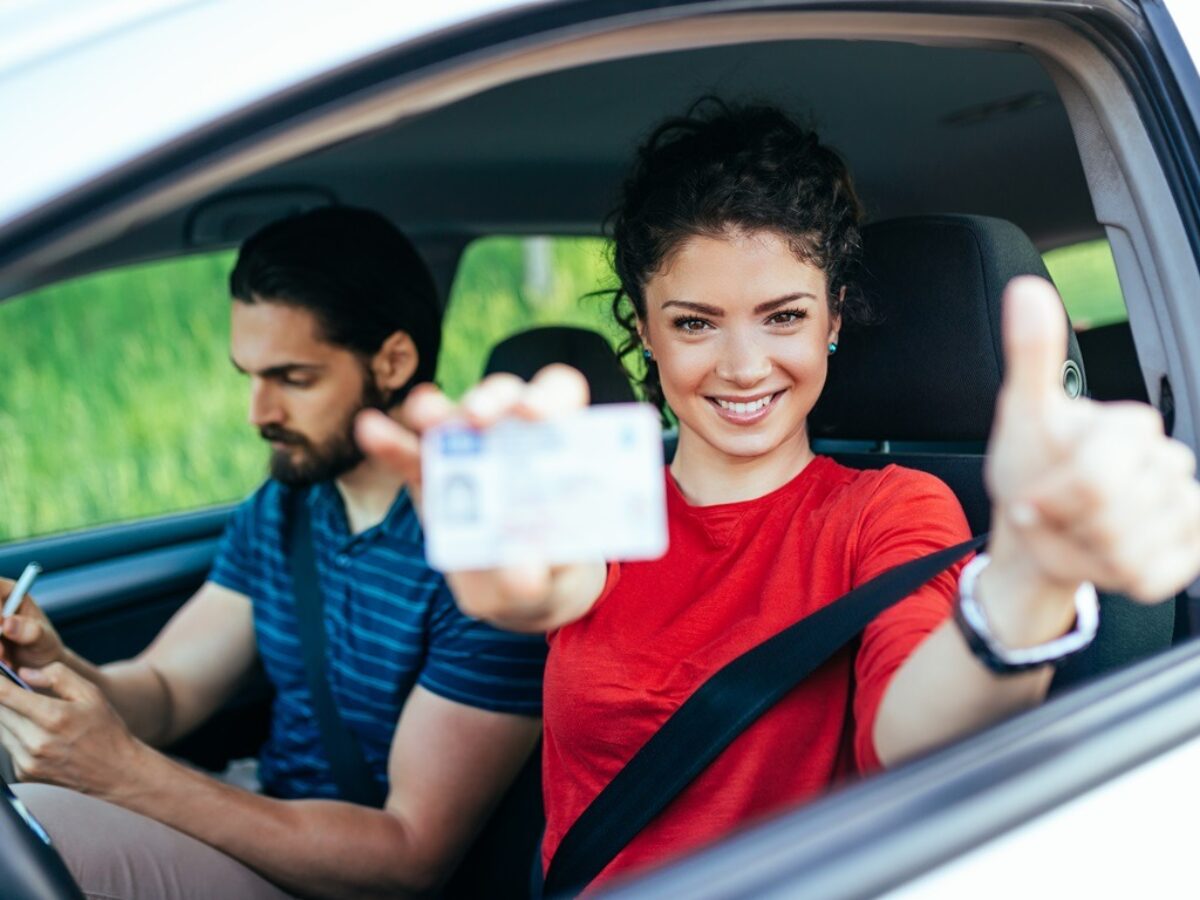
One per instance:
(391,623)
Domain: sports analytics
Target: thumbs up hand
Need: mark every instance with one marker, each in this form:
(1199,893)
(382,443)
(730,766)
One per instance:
(1081,491)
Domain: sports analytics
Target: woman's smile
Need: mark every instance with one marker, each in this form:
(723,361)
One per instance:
(745,410)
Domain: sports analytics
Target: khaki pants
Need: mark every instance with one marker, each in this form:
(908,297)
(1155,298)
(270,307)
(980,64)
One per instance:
(116,854)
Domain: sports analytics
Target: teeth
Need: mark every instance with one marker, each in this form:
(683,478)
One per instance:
(743,408)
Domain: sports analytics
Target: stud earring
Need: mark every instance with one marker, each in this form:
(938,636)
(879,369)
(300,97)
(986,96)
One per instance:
(647,353)
(832,347)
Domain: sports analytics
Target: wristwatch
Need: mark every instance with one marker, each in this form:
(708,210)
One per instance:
(971,621)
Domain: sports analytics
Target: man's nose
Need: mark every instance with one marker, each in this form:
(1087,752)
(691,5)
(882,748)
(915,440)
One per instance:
(743,361)
(265,408)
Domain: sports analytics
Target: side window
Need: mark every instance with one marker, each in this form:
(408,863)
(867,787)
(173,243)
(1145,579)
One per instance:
(119,399)
(1086,277)
(508,284)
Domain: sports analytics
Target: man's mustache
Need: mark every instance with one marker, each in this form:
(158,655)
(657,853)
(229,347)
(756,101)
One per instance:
(281,435)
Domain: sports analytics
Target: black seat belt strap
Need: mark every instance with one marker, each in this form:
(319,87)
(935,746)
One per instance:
(351,773)
(721,709)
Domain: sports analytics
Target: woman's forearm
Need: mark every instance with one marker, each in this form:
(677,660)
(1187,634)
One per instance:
(943,692)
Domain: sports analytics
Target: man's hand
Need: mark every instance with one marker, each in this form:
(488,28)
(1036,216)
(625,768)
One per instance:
(1082,491)
(528,598)
(69,735)
(28,638)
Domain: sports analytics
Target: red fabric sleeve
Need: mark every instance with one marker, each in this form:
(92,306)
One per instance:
(611,577)
(911,514)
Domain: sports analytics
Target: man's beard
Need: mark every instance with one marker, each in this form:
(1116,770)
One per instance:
(302,462)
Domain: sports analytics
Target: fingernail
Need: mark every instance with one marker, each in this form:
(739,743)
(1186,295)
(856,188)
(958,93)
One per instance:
(1023,514)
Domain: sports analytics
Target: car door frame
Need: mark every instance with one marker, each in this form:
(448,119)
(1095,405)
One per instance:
(884,831)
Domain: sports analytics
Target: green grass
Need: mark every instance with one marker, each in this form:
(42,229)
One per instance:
(1086,277)
(119,401)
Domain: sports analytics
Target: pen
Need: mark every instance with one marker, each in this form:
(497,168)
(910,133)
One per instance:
(21,588)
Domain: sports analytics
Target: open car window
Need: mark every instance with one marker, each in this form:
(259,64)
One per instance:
(120,402)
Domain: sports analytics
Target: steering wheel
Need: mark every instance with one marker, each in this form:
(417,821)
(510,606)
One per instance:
(30,868)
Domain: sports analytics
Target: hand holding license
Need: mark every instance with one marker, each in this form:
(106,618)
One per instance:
(584,486)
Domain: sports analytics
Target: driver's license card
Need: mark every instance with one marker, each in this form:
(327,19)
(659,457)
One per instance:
(587,486)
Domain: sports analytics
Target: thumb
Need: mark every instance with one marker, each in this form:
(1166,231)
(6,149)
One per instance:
(1034,331)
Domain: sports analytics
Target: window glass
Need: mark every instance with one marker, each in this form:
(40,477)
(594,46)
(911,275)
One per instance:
(1086,277)
(508,284)
(119,399)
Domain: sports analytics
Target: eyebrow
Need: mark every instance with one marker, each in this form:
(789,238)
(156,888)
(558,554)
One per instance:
(280,371)
(715,312)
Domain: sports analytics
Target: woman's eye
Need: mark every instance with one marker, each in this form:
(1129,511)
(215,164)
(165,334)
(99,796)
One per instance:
(691,325)
(298,382)
(788,316)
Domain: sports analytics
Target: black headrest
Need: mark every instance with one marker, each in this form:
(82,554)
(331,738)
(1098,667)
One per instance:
(525,353)
(930,366)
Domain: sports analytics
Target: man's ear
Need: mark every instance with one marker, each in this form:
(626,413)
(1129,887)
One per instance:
(395,363)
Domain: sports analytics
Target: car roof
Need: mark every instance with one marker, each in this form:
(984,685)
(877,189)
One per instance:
(924,128)
(92,84)
(547,153)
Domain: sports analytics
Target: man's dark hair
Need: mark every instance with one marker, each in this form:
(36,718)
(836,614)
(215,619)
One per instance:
(724,168)
(355,272)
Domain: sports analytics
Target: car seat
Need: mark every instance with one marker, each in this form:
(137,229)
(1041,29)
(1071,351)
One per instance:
(525,353)
(919,385)
(1111,358)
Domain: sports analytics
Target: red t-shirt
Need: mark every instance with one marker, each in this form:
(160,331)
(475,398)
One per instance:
(735,574)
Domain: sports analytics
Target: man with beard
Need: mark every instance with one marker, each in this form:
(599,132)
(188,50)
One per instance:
(333,312)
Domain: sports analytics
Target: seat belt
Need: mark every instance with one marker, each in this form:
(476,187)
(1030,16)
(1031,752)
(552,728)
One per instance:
(351,773)
(732,699)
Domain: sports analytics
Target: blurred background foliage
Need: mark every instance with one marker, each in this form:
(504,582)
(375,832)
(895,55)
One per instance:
(119,401)
(1086,276)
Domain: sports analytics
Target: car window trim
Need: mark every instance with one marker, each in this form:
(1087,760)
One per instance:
(878,834)
(74,549)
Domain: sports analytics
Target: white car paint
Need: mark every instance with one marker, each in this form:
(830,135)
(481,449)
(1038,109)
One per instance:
(149,72)
(1124,839)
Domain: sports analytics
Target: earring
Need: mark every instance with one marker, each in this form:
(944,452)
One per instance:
(832,347)
(647,353)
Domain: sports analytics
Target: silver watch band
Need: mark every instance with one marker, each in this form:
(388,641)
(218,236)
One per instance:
(1001,659)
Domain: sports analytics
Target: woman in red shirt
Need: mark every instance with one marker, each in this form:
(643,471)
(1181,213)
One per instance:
(736,243)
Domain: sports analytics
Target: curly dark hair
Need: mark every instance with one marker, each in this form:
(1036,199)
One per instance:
(723,168)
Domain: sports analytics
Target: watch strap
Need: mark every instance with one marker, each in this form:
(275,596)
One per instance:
(987,648)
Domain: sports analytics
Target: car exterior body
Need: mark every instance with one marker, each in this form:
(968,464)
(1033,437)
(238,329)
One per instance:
(125,119)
